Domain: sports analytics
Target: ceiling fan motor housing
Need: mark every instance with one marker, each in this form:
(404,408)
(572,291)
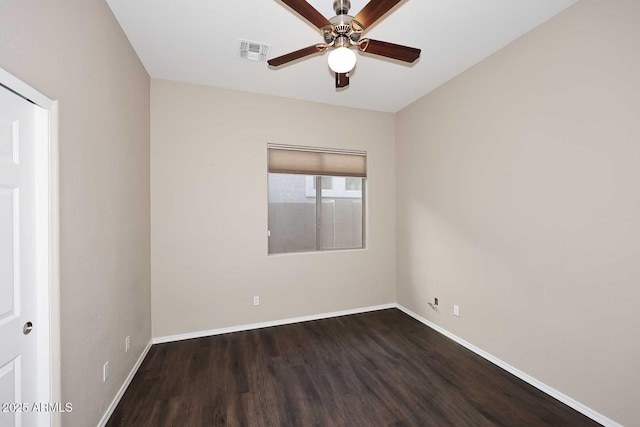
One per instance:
(341,30)
(342,25)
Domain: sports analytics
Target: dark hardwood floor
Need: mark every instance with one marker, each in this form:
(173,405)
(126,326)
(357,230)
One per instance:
(374,369)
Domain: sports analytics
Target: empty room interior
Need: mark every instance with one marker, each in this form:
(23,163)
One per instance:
(327,213)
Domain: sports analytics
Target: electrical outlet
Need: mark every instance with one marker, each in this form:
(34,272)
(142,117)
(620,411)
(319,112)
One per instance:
(127,344)
(106,371)
(456,310)
(256,300)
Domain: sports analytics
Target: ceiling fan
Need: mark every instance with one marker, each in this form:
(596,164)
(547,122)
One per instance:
(344,32)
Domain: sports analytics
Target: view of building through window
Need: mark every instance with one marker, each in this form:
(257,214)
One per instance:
(298,224)
(353,184)
(327,182)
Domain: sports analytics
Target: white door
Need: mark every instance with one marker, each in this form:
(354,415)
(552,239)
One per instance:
(18,261)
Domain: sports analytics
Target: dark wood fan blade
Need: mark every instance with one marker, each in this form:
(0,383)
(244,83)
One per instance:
(281,60)
(374,11)
(390,50)
(308,12)
(342,80)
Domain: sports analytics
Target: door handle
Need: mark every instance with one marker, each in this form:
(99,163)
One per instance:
(26,329)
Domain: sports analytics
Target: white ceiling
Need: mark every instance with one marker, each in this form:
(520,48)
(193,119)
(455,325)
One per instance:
(197,41)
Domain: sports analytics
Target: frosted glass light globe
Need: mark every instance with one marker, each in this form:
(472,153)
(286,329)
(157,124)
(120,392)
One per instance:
(342,60)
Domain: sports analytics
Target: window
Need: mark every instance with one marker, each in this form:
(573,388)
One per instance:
(327,183)
(333,186)
(316,199)
(353,184)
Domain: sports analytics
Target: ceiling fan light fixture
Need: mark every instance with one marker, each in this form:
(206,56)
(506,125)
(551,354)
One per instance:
(342,60)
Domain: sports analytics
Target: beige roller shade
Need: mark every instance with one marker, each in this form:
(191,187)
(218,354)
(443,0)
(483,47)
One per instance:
(307,161)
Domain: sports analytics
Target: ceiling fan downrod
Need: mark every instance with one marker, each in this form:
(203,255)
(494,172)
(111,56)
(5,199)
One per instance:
(341,7)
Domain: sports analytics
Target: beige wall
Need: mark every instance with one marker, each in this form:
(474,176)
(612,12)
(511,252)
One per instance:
(518,199)
(209,210)
(75,52)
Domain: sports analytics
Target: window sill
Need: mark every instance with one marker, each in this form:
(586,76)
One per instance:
(325,251)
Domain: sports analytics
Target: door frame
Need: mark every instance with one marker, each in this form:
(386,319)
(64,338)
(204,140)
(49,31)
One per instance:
(47,247)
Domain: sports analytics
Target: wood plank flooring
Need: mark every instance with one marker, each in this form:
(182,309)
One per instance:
(374,369)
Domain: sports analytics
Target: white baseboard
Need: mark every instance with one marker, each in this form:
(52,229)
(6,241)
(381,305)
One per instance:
(211,332)
(125,385)
(594,415)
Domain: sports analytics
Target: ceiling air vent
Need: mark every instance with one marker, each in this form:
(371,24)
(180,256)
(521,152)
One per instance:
(253,51)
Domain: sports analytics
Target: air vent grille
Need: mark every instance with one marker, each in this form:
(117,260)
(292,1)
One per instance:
(253,51)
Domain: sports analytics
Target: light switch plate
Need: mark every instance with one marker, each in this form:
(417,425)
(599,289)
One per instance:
(106,371)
